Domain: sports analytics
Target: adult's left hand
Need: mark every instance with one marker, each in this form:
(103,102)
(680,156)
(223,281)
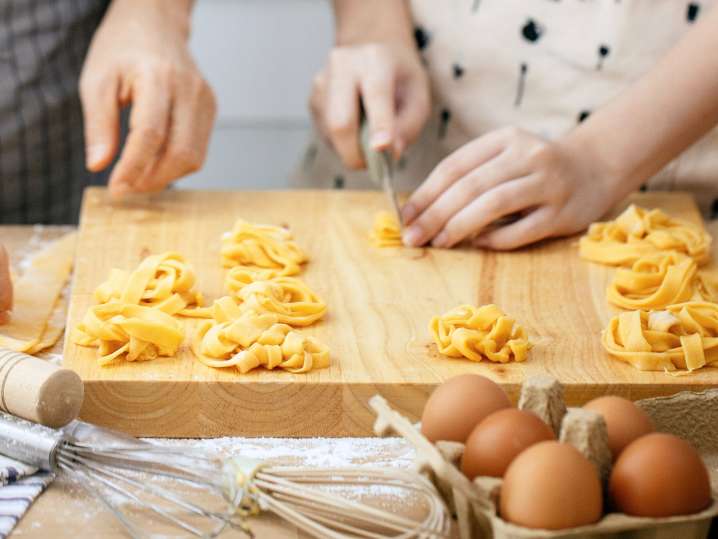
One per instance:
(556,188)
(139,56)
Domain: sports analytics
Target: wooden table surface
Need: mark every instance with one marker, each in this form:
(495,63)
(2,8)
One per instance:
(65,511)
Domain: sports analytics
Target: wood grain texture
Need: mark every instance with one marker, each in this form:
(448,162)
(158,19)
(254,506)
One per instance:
(380,302)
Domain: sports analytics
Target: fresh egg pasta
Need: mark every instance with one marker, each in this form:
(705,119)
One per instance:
(478,333)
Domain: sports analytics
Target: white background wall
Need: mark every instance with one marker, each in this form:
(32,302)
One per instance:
(260,57)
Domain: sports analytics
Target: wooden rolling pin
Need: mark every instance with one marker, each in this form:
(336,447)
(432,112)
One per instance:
(38,390)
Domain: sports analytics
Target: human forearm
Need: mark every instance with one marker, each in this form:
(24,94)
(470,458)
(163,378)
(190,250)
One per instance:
(366,21)
(671,107)
(174,12)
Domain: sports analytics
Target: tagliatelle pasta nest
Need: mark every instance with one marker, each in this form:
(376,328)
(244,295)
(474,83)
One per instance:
(654,281)
(638,232)
(134,316)
(682,336)
(386,231)
(261,247)
(247,340)
(478,333)
(164,281)
(134,332)
(289,298)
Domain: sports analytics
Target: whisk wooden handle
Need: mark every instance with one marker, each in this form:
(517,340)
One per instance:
(37,390)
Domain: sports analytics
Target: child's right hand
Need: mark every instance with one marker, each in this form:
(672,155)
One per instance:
(393,86)
(5,286)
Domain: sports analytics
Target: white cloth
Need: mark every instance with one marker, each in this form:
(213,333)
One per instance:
(20,485)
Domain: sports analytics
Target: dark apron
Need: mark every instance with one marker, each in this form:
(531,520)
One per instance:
(42,163)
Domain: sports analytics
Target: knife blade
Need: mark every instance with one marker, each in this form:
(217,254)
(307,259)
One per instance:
(381,169)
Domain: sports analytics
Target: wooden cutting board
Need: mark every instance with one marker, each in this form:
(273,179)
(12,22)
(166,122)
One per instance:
(380,303)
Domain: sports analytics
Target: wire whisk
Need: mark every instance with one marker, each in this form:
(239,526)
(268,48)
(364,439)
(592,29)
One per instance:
(148,486)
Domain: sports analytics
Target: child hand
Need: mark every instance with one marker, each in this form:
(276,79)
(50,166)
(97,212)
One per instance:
(557,188)
(5,286)
(393,87)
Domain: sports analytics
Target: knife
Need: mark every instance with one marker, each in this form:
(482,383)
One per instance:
(381,168)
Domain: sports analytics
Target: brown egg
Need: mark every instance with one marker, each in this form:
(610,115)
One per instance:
(660,475)
(499,438)
(551,485)
(458,405)
(625,421)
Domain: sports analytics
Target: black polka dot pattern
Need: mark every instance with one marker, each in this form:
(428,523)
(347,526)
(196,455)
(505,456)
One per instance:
(603,52)
(444,119)
(693,9)
(422,38)
(583,115)
(523,71)
(532,31)
(457,71)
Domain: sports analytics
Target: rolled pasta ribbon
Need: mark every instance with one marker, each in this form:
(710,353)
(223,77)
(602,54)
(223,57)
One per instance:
(257,340)
(165,281)
(240,276)
(134,332)
(683,336)
(638,232)
(654,281)
(478,333)
(707,285)
(261,247)
(386,231)
(288,298)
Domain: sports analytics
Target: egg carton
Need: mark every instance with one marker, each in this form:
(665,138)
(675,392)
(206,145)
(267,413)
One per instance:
(690,415)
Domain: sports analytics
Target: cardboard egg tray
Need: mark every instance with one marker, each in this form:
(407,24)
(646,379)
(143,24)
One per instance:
(692,416)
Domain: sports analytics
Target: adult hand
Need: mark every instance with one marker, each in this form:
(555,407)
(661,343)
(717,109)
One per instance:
(556,189)
(391,83)
(5,286)
(139,56)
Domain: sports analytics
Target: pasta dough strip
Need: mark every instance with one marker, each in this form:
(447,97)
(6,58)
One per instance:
(479,333)
(386,231)
(37,293)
